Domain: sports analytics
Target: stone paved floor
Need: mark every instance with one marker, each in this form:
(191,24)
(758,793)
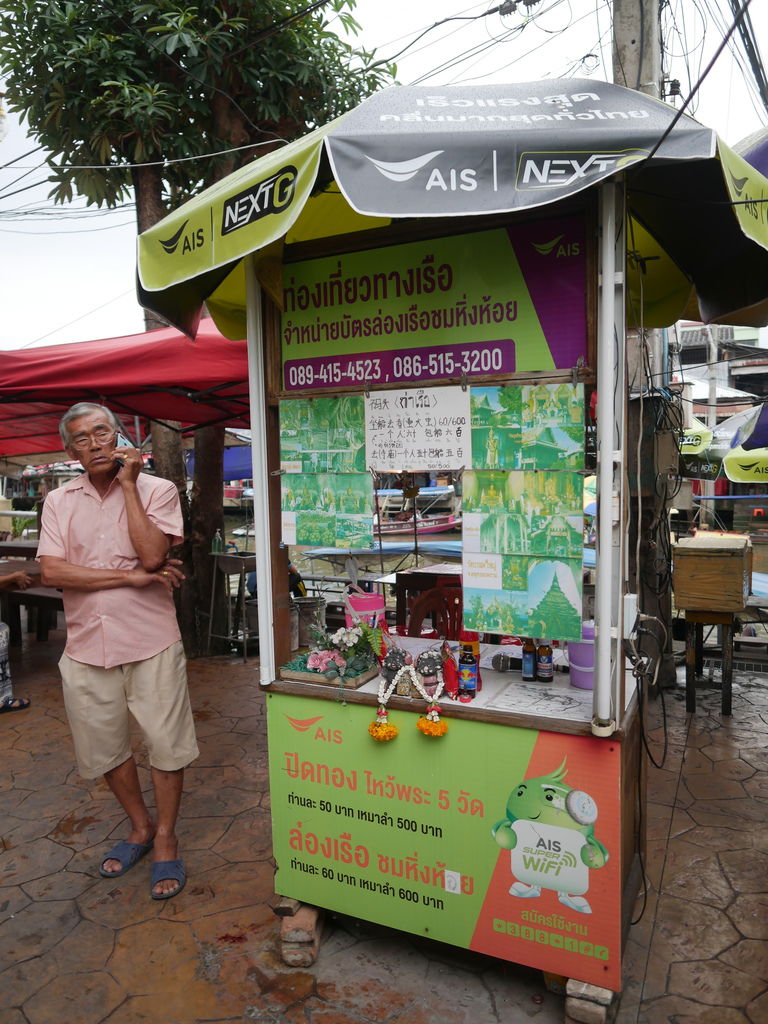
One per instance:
(700,953)
(79,949)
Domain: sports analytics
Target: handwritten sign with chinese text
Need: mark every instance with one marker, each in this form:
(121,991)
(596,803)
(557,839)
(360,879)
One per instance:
(420,429)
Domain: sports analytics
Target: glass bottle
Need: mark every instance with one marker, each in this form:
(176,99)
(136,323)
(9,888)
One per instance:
(529,660)
(545,668)
(217,544)
(467,674)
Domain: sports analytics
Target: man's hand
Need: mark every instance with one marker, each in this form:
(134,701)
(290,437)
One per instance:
(132,464)
(168,575)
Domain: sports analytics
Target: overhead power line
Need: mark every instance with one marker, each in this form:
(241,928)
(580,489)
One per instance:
(703,76)
(165,162)
(77,318)
(66,231)
(499,9)
(747,33)
(516,31)
(21,157)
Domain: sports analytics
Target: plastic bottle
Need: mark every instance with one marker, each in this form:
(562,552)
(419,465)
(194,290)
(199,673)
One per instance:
(544,664)
(467,674)
(529,660)
(217,544)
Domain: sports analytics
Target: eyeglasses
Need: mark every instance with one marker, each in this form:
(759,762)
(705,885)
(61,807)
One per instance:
(102,435)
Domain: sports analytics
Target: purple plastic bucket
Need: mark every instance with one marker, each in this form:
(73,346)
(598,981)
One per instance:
(581,658)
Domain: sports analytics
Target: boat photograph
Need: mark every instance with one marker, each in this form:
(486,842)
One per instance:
(435,508)
(403,523)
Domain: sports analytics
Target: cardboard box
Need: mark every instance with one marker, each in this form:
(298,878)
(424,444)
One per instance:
(712,572)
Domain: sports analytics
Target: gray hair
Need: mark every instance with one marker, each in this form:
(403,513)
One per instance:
(83,409)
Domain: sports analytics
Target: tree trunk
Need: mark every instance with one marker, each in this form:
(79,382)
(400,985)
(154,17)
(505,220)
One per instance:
(148,189)
(206,517)
(168,457)
(203,515)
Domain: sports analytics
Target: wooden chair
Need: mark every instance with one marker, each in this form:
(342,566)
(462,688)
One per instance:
(444,606)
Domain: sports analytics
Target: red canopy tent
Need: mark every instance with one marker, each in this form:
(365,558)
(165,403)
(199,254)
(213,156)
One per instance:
(156,376)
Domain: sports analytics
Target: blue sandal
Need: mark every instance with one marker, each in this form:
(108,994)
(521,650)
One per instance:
(14,704)
(167,869)
(128,854)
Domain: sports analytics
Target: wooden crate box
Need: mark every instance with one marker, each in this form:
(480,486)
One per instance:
(712,571)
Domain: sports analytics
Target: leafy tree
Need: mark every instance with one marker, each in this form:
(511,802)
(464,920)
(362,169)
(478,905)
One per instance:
(163,99)
(126,94)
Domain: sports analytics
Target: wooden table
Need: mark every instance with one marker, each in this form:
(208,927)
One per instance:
(695,620)
(28,565)
(18,548)
(42,603)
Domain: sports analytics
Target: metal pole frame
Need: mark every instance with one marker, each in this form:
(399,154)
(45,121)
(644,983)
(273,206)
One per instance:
(260,471)
(611,402)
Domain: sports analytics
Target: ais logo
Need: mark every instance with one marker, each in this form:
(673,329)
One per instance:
(738,183)
(306,724)
(272,195)
(447,179)
(188,242)
(557,247)
(753,206)
(552,170)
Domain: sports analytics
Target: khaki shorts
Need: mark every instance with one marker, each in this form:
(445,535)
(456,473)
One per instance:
(101,701)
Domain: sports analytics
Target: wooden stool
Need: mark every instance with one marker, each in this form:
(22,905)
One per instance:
(694,643)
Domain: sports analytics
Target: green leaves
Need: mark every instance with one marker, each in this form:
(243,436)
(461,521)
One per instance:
(374,637)
(164,80)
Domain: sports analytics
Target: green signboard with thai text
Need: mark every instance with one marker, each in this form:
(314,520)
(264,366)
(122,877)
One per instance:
(481,304)
(494,838)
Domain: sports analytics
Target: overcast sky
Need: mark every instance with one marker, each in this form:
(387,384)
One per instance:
(68,274)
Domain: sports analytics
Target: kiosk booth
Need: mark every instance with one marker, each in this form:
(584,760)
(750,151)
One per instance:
(442,279)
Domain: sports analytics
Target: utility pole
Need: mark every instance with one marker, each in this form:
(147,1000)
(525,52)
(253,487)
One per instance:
(637,65)
(636,46)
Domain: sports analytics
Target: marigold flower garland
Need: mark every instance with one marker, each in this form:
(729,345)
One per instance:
(430,723)
(382,729)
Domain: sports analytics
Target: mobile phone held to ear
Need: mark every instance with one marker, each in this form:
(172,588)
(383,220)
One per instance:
(122,442)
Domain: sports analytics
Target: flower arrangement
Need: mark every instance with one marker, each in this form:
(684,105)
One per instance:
(344,654)
(321,661)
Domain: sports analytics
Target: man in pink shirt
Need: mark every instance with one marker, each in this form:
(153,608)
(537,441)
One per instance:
(104,541)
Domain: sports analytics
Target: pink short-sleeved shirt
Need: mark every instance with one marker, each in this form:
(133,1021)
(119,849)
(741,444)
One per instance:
(111,627)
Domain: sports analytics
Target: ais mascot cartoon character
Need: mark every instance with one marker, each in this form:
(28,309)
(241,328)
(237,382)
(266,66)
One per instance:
(549,831)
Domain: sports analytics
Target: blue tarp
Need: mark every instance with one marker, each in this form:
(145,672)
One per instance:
(237,463)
